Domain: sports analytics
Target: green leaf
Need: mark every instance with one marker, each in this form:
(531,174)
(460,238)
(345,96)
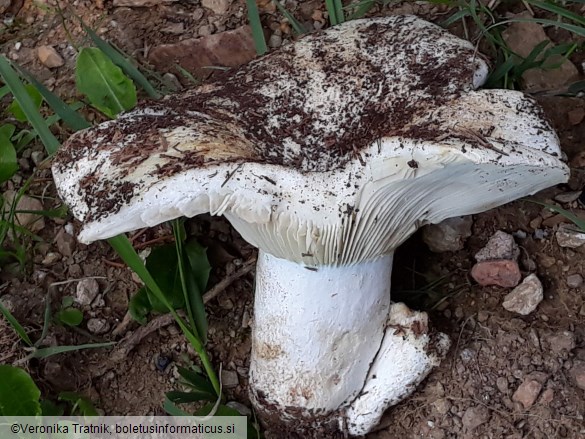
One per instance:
(65,112)
(123,62)
(15,325)
(197,275)
(106,86)
(172,409)
(47,352)
(256,25)
(36,98)
(162,264)
(67,301)
(18,90)
(19,395)
(559,10)
(140,306)
(8,160)
(195,380)
(82,406)
(70,316)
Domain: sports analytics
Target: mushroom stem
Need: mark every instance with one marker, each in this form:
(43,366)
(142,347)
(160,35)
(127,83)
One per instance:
(323,337)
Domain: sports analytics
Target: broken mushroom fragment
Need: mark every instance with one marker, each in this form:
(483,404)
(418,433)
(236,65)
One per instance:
(326,155)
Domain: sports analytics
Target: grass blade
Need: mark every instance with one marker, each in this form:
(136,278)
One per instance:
(67,114)
(34,117)
(256,25)
(559,10)
(577,30)
(296,24)
(15,325)
(55,350)
(122,61)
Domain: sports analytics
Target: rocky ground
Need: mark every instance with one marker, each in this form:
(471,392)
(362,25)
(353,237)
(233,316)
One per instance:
(517,365)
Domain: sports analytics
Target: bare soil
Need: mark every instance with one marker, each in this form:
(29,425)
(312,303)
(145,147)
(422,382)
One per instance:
(494,351)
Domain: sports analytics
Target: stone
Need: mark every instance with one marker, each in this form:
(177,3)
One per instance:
(577,372)
(547,397)
(86,292)
(51,258)
(561,341)
(448,235)
(10,302)
(274,41)
(218,7)
(568,197)
(49,57)
(503,273)
(141,3)
(226,49)
(65,243)
(522,38)
(98,326)
(229,379)
(4,5)
(500,246)
(525,297)
(37,157)
(502,385)
(569,236)
(31,221)
(576,116)
(574,280)
(475,416)
(527,393)
(442,406)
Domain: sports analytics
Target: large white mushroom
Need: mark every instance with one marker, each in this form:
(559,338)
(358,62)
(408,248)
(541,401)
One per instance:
(326,155)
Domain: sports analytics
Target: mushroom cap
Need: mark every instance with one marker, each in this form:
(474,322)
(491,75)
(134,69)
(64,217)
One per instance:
(332,150)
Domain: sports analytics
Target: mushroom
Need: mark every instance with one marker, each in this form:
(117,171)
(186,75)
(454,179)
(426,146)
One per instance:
(326,155)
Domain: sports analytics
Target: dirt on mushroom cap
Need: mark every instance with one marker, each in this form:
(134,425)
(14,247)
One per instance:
(312,106)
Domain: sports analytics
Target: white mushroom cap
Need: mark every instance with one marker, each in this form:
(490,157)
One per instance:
(332,150)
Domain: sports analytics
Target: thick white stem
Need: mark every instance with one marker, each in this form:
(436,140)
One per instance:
(316,331)
(329,352)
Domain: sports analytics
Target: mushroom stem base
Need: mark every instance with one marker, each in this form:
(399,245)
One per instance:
(329,351)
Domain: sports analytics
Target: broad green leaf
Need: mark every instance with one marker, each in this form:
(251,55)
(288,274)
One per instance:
(19,395)
(70,316)
(106,86)
(140,306)
(36,98)
(163,266)
(197,274)
(8,160)
(122,61)
(195,380)
(67,301)
(18,90)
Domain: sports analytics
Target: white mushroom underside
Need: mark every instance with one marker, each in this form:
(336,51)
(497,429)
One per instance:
(329,341)
(330,217)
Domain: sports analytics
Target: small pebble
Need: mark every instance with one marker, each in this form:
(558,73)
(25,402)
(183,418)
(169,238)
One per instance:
(525,297)
(574,280)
